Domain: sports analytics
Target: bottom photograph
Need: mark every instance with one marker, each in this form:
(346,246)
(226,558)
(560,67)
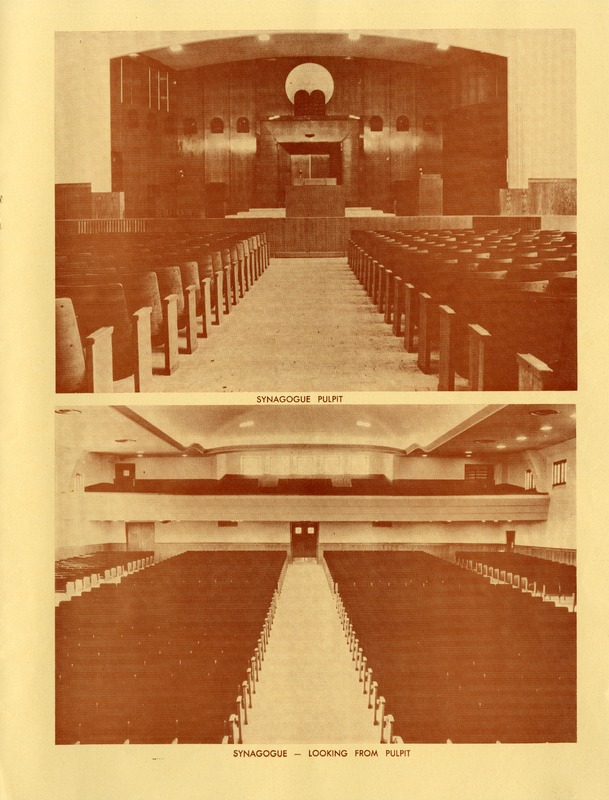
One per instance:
(315,574)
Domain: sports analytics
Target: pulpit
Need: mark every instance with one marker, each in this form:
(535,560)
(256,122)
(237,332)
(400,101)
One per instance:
(315,197)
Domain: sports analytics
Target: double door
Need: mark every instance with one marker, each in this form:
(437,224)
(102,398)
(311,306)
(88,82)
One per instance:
(304,537)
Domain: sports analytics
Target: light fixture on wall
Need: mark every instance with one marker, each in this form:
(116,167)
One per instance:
(176,48)
(355,37)
(264,37)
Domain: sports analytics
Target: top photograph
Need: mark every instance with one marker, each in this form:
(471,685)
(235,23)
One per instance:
(338,211)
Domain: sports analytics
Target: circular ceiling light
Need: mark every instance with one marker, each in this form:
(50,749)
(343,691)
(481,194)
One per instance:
(309,76)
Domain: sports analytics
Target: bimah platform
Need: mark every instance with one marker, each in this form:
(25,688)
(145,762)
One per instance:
(315,197)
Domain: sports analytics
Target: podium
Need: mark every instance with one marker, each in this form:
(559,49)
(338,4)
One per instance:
(421,197)
(315,197)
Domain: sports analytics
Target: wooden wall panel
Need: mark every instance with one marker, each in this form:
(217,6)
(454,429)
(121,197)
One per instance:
(216,94)
(176,167)
(403,145)
(186,171)
(376,101)
(242,155)
(139,115)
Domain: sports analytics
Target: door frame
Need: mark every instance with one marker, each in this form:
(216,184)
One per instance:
(304,548)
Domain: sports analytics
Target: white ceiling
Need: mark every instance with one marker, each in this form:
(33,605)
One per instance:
(445,430)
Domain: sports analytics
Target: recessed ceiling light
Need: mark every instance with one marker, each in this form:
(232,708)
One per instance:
(543,412)
(362,424)
(176,48)
(546,428)
(468,452)
(134,55)
(355,37)
(572,415)
(468,455)
(264,37)
(501,447)
(521,438)
(443,46)
(424,455)
(247,424)
(184,455)
(140,455)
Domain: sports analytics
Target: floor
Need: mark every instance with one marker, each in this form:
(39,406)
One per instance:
(309,691)
(306,324)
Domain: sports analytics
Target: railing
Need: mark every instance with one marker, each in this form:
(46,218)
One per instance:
(375,701)
(130,225)
(245,701)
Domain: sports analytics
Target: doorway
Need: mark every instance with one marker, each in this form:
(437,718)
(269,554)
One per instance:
(124,477)
(304,537)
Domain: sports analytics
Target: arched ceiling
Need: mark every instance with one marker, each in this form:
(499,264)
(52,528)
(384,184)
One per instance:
(198,49)
(442,430)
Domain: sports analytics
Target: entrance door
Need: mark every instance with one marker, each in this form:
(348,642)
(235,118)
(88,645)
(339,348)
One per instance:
(124,477)
(304,537)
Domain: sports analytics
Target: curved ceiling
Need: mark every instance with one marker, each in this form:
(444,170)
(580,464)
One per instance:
(442,430)
(197,49)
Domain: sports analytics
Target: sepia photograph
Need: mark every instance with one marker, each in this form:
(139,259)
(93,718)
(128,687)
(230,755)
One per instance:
(241,556)
(286,576)
(389,210)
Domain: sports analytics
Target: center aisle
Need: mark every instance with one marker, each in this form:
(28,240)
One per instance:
(307,322)
(308,691)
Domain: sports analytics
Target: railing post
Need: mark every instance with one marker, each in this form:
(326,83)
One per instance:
(379,710)
(372,694)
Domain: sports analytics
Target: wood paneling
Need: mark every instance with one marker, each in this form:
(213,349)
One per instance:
(242,154)
(555,197)
(315,201)
(73,201)
(169,166)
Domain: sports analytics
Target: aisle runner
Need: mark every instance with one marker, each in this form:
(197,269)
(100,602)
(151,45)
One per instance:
(308,690)
(307,323)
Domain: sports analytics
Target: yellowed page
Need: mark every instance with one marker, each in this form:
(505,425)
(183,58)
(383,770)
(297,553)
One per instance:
(31,765)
